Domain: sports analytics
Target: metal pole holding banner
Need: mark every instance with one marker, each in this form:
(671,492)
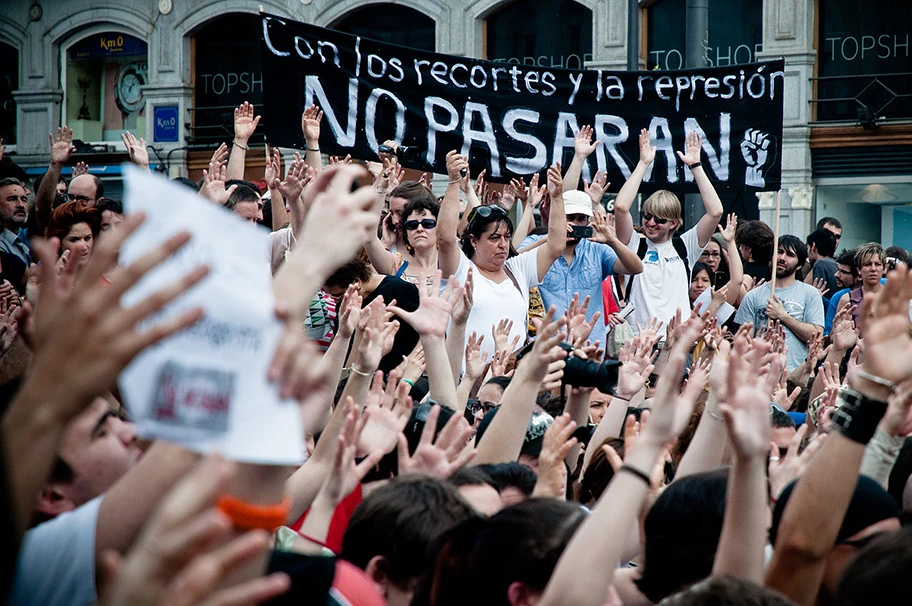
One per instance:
(633,35)
(695,41)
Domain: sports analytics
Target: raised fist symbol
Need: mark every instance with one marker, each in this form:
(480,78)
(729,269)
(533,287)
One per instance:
(755,149)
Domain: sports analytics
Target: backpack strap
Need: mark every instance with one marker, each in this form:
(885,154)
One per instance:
(641,253)
(512,278)
(681,249)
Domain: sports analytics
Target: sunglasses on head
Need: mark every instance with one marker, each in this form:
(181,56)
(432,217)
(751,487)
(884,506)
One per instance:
(486,211)
(652,217)
(413,224)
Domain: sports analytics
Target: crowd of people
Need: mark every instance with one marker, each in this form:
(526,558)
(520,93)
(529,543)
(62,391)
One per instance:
(571,408)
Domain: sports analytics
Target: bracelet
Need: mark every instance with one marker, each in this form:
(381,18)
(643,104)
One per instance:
(633,470)
(857,416)
(380,191)
(875,379)
(313,149)
(358,372)
(408,382)
(716,416)
(247,516)
(454,182)
(239,145)
(694,165)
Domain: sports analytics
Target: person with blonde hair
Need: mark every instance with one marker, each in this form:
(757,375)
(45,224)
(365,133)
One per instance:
(663,286)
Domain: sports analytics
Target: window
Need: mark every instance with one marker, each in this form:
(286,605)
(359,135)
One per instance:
(544,33)
(735,33)
(104,75)
(9,81)
(393,24)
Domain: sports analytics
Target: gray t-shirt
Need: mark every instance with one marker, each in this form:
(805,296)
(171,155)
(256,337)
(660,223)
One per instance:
(801,301)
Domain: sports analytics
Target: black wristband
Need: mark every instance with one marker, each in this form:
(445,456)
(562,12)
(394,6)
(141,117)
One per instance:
(637,473)
(694,165)
(857,416)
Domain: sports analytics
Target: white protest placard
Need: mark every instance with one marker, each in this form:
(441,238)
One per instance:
(206,387)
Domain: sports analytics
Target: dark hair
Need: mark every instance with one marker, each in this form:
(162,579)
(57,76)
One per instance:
(111,204)
(479,225)
(511,475)
(472,476)
(879,572)
(501,381)
(795,245)
(897,252)
(757,236)
(599,472)
(187,182)
(847,258)
(829,221)
(6,181)
(698,267)
(824,240)
(413,191)
(781,418)
(358,268)
(243,193)
(243,183)
(682,532)
(39,179)
(417,204)
(399,521)
(478,560)
(729,591)
(67,215)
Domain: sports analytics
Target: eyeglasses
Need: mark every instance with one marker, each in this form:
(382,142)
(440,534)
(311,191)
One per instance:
(74,197)
(475,405)
(413,224)
(652,217)
(711,255)
(486,211)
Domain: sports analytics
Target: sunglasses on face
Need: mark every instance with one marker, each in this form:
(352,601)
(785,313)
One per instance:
(652,217)
(486,211)
(413,224)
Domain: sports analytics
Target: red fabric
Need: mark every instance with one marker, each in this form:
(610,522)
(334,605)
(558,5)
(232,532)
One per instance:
(608,298)
(351,583)
(339,523)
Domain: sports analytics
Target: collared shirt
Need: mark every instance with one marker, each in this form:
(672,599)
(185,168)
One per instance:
(592,263)
(11,243)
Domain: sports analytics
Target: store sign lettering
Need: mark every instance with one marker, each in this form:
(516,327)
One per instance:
(232,83)
(111,44)
(883,46)
(567,62)
(720,56)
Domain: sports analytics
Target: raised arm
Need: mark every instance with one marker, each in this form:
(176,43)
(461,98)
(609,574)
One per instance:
(706,227)
(582,149)
(806,538)
(310,127)
(136,149)
(627,263)
(280,215)
(625,197)
(473,197)
(530,203)
(456,335)
(61,150)
(448,217)
(503,439)
(548,253)
(735,266)
(244,126)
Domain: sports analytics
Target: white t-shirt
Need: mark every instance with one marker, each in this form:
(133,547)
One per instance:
(664,286)
(56,562)
(493,302)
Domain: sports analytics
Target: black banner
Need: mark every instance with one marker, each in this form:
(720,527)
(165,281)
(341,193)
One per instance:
(516,119)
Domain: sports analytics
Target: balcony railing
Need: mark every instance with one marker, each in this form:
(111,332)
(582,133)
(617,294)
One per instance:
(863,99)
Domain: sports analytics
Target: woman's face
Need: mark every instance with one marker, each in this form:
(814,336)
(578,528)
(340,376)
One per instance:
(871,270)
(712,255)
(419,236)
(492,247)
(698,283)
(79,242)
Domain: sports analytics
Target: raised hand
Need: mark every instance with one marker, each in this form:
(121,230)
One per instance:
(751,378)
(273,170)
(843,335)
(81,169)
(219,155)
(214,184)
(501,334)
(556,445)
(296,179)
(387,411)
(244,122)
(603,229)
(546,356)
(442,457)
(474,360)
(455,163)
(310,124)
(179,558)
(479,182)
(433,314)
(597,188)
(582,142)
(499,363)
(728,233)
(346,474)
(578,328)
(536,192)
(651,330)
(821,285)
(462,305)
(519,188)
(694,146)
(784,468)
(898,419)
(349,312)
(61,146)
(136,149)
(647,150)
(555,181)
(378,334)
(413,365)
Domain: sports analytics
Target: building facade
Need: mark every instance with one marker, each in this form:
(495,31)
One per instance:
(173,70)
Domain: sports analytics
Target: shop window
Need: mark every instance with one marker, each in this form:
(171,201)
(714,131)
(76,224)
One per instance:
(9,81)
(543,33)
(735,33)
(391,23)
(864,65)
(105,74)
(226,55)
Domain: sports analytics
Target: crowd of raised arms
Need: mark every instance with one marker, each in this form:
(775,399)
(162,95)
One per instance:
(578,408)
